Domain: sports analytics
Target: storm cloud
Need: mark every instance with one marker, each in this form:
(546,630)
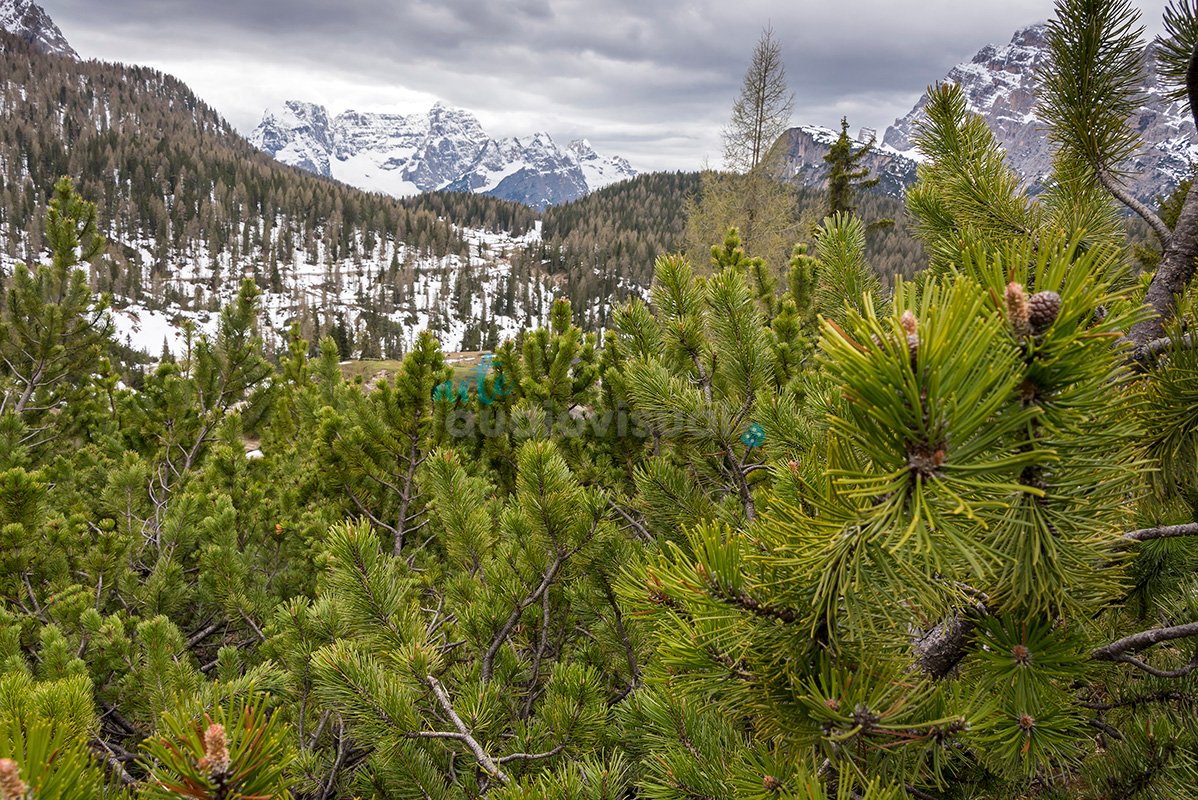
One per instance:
(652,81)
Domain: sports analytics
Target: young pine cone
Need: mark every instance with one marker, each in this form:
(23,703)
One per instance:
(216,750)
(1018,311)
(11,785)
(1043,308)
(910,325)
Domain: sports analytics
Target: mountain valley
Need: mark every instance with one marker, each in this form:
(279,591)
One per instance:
(312,217)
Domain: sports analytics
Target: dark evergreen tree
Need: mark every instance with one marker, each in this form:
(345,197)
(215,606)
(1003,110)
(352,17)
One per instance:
(846,178)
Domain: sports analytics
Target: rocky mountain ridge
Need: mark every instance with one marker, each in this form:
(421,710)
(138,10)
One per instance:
(445,148)
(1000,83)
(806,145)
(30,22)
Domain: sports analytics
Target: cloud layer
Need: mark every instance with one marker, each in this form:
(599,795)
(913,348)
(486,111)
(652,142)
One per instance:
(651,81)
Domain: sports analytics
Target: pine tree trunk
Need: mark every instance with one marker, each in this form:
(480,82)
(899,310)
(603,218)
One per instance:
(1173,275)
(1176,271)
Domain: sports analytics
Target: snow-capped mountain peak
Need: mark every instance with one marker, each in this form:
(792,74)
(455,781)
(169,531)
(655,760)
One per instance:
(444,148)
(298,134)
(597,170)
(581,148)
(1000,84)
(29,21)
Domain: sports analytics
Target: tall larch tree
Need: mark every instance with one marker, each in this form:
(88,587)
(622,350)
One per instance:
(750,195)
(761,112)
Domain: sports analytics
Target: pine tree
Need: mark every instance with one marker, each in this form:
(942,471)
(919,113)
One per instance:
(946,593)
(845,279)
(43,739)
(374,446)
(695,375)
(239,751)
(50,326)
(931,494)
(488,664)
(946,552)
(1089,92)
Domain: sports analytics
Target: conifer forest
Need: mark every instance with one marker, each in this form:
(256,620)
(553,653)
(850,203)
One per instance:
(784,491)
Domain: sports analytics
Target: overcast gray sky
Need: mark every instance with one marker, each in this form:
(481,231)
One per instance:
(652,80)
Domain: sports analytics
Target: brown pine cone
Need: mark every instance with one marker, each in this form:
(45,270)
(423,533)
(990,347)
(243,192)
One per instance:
(1043,308)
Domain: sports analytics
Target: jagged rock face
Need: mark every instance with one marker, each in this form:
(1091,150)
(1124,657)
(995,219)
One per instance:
(298,134)
(804,162)
(452,142)
(549,176)
(383,132)
(1000,84)
(28,20)
(532,171)
(446,148)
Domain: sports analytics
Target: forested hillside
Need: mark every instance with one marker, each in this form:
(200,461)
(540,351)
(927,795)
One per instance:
(190,209)
(605,243)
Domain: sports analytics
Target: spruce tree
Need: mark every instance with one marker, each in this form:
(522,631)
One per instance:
(845,175)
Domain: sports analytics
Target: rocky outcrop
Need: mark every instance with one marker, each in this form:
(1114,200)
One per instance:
(804,162)
(30,22)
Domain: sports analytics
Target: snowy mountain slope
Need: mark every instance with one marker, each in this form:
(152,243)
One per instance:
(299,135)
(598,171)
(29,21)
(445,148)
(1000,84)
(456,297)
